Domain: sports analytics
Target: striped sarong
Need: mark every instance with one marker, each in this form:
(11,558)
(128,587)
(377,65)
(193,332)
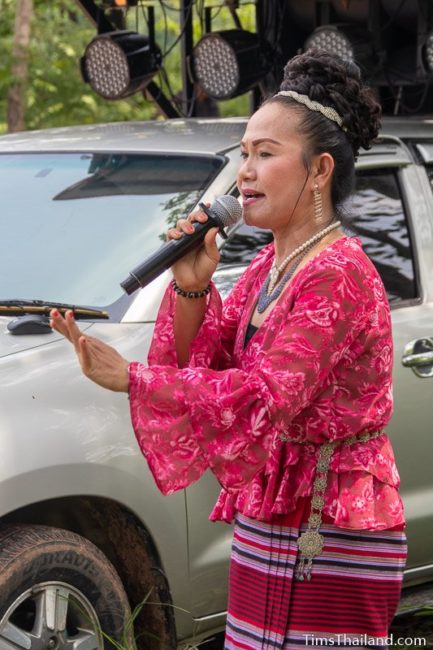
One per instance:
(352,596)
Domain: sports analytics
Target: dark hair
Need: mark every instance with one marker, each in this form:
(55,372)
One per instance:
(333,82)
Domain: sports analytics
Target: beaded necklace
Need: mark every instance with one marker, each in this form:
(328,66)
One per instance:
(271,289)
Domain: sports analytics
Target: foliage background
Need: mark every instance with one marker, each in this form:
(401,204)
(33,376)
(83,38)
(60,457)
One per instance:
(57,96)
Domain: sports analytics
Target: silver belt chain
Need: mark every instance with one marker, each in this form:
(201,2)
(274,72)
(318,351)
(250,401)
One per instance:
(311,542)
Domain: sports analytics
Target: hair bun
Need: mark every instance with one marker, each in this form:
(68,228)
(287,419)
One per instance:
(330,80)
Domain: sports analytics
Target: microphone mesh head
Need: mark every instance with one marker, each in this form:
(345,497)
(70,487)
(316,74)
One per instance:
(228,209)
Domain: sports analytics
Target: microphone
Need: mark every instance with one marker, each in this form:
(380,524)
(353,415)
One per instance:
(224,211)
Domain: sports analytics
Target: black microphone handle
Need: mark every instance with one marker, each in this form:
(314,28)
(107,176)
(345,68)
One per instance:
(168,254)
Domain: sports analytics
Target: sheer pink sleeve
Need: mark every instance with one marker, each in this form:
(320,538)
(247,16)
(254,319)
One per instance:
(213,345)
(191,419)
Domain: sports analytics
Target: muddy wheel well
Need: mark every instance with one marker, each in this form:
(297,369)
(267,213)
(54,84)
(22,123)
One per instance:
(129,547)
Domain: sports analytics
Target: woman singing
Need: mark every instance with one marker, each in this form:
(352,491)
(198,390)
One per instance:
(284,390)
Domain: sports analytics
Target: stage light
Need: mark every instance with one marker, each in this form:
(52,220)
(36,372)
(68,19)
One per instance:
(331,39)
(118,64)
(428,52)
(350,42)
(228,63)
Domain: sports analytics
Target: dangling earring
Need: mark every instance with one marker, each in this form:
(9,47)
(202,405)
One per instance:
(318,206)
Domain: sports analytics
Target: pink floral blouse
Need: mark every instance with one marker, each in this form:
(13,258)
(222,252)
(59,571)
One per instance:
(318,369)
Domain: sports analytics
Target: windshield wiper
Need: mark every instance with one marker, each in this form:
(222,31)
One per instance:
(17,307)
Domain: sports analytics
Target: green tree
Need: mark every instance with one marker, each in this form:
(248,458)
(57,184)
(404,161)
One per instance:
(16,101)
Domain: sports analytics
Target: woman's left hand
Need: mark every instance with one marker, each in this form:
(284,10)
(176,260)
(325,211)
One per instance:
(99,362)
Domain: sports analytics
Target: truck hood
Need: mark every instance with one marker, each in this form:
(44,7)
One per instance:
(11,344)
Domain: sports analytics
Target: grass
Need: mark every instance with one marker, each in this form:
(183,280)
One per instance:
(129,642)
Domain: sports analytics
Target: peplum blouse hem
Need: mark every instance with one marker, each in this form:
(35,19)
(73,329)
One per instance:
(318,370)
(362,490)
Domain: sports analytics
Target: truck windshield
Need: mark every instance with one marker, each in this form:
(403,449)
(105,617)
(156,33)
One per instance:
(72,225)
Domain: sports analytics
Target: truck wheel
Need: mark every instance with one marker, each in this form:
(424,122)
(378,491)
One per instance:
(57,591)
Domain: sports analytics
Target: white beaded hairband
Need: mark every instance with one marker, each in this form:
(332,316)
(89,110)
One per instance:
(327,111)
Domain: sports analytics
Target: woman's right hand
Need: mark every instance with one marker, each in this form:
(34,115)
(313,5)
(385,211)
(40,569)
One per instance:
(194,271)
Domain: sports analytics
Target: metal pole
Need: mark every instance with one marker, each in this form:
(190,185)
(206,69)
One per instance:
(155,92)
(186,42)
(96,15)
(261,20)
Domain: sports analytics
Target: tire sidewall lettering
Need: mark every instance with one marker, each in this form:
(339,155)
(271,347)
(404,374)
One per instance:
(60,558)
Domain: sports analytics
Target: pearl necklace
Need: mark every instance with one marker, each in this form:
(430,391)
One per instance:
(276,271)
(269,290)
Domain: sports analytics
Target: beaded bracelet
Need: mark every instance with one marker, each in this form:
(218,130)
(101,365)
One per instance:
(189,294)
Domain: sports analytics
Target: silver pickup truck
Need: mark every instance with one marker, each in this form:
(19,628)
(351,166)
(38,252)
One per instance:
(85,536)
